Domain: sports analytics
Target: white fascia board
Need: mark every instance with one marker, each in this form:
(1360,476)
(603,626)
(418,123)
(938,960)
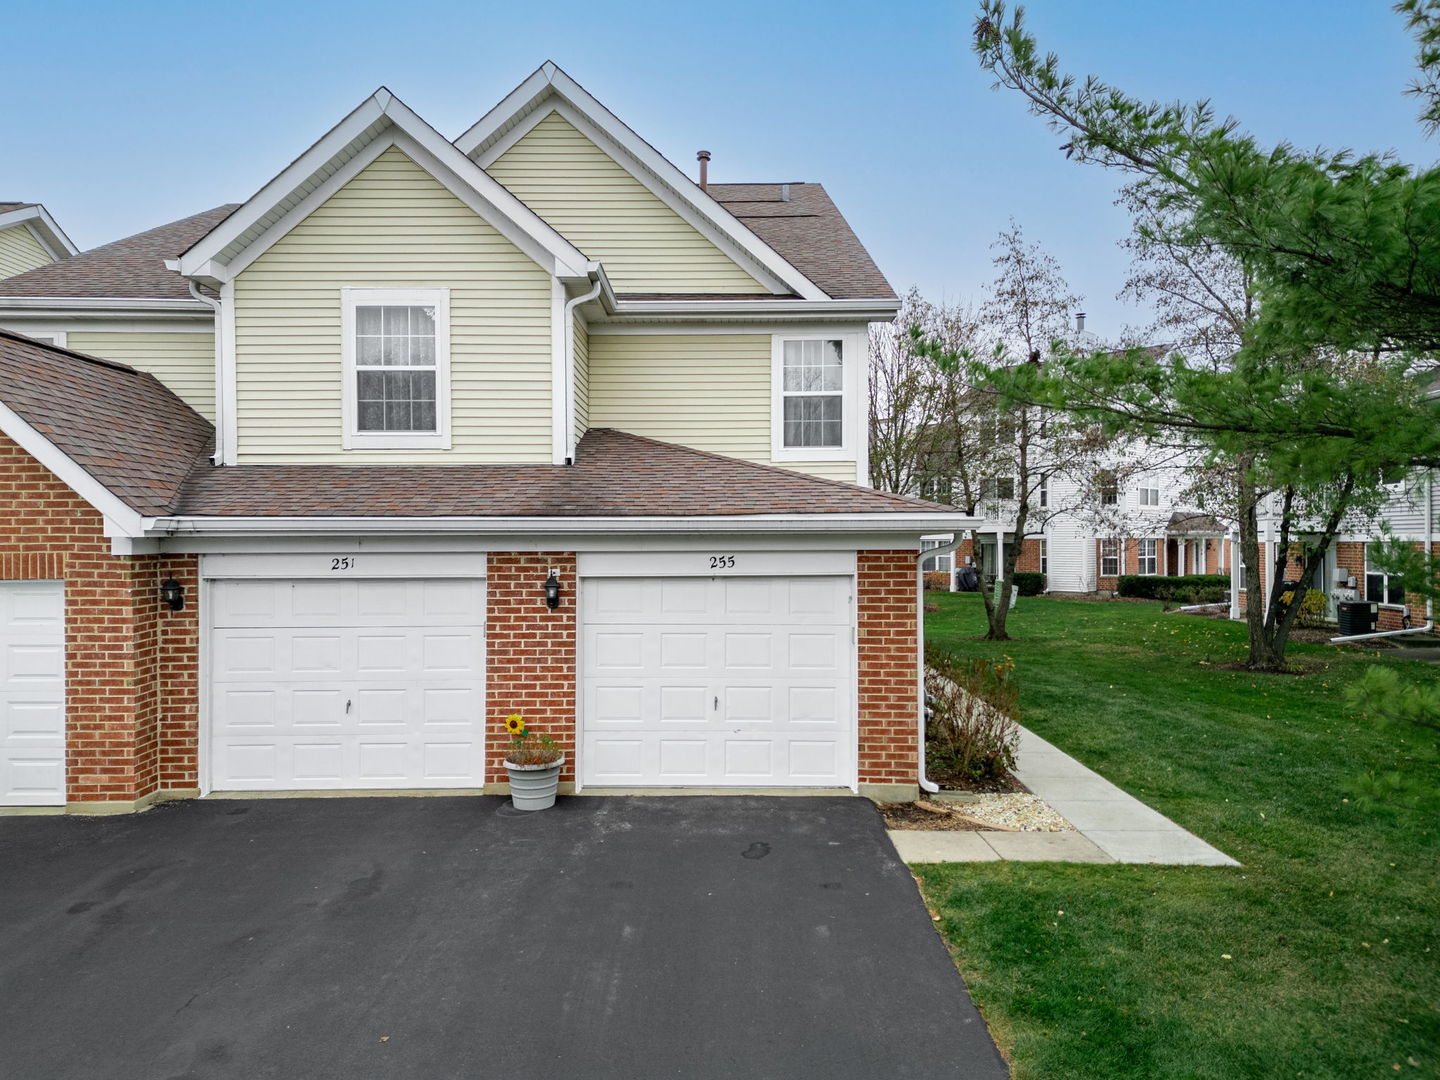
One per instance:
(879,310)
(918,523)
(399,126)
(678,186)
(203,251)
(120,519)
(44,228)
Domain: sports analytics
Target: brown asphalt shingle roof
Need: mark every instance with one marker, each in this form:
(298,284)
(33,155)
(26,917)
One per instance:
(615,475)
(132,267)
(810,233)
(120,425)
(152,450)
(6,207)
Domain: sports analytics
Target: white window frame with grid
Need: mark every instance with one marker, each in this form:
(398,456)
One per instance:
(1114,544)
(852,362)
(1153,558)
(354,438)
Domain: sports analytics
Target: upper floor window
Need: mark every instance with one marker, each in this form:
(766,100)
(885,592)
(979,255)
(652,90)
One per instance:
(397,368)
(816,380)
(1149,496)
(997,488)
(1108,486)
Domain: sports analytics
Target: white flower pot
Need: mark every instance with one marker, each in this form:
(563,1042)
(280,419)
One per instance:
(532,787)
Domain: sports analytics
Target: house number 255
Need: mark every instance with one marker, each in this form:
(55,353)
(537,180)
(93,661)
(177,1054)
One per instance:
(722,562)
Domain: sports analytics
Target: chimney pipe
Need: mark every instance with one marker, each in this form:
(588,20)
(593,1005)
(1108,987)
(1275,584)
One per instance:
(1079,322)
(703,157)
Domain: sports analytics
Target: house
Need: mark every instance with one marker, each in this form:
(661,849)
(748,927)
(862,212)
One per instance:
(1348,568)
(29,238)
(312,491)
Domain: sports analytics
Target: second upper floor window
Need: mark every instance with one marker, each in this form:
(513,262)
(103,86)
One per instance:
(1108,486)
(397,368)
(1149,496)
(812,391)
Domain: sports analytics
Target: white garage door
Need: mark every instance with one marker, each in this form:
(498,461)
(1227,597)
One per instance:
(718,682)
(32,693)
(347,684)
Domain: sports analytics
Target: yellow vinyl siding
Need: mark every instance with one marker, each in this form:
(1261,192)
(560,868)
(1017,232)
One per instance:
(183,362)
(20,251)
(711,392)
(582,376)
(393,225)
(586,196)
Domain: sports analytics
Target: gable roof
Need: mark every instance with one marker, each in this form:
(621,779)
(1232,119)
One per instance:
(121,426)
(380,121)
(132,267)
(801,222)
(41,225)
(549,88)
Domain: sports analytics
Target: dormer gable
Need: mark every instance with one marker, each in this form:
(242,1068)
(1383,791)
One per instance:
(572,159)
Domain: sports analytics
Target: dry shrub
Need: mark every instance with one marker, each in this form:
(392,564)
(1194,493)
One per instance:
(973,706)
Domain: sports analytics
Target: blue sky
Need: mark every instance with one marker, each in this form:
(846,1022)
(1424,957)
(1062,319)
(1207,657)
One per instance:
(122,116)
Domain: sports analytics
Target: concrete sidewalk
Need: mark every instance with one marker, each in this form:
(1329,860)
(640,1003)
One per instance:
(1112,826)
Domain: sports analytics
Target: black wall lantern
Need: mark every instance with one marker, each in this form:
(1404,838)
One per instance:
(552,591)
(173,593)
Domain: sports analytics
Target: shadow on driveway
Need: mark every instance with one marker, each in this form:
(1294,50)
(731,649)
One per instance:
(455,937)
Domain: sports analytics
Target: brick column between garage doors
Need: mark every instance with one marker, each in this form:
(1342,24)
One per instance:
(529,654)
(887,608)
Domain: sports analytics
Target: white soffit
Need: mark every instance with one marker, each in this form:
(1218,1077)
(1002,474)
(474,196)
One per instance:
(493,133)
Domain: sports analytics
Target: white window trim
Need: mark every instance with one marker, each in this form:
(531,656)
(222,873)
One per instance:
(853,361)
(1140,557)
(1147,488)
(350,299)
(1119,556)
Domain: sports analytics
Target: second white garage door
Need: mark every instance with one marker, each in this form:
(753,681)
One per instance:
(739,682)
(347,684)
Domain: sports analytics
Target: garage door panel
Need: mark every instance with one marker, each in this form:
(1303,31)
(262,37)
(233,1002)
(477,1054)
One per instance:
(365,704)
(32,693)
(712,680)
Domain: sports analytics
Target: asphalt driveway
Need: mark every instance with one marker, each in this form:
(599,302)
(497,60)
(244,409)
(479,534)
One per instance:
(455,937)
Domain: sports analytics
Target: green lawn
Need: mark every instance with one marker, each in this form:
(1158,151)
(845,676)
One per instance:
(1320,957)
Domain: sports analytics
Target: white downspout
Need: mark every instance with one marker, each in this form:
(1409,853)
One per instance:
(569,404)
(926,784)
(218,458)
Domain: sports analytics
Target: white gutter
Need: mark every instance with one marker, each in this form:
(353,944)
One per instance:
(483,526)
(100,303)
(926,784)
(570,306)
(1429,625)
(876,308)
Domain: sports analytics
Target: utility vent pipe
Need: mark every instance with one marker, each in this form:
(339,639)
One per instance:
(703,156)
(784,192)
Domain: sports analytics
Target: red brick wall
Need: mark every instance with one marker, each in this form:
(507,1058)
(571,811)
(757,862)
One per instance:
(889,658)
(116,636)
(530,654)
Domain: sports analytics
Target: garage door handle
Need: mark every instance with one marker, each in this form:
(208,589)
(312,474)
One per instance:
(717,702)
(347,706)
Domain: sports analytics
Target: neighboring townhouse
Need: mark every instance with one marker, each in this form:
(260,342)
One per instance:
(1348,569)
(313,491)
(29,238)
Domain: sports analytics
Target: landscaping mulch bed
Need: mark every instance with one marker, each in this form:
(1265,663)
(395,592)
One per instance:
(956,781)
(913,816)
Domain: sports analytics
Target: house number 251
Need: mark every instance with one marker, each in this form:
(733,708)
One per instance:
(722,562)
(345,562)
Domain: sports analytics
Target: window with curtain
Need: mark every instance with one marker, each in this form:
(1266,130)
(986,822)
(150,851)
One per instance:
(1109,558)
(396,372)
